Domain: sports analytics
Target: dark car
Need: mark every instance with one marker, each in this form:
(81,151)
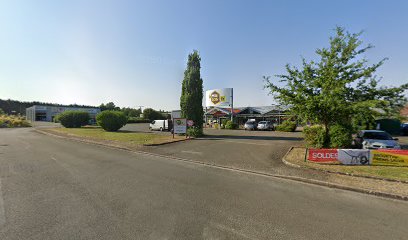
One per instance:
(404,129)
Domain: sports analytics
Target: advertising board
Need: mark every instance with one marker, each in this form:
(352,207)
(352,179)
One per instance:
(354,156)
(180,125)
(389,157)
(322,155)
(219,97)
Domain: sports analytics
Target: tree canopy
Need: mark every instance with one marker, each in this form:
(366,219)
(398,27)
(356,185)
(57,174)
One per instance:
(191,100)
(151,114)
(338,86)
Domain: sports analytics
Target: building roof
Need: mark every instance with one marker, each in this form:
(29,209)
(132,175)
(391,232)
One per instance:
(404,111)
(262,110)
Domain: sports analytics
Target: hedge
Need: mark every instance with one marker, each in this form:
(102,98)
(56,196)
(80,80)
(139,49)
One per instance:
(111,121)
(73,119)
(231,125)
(339,136)
(287,126)
(137,120)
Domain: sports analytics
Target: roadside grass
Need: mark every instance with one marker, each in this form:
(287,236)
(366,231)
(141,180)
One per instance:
(297,156)
(125,137)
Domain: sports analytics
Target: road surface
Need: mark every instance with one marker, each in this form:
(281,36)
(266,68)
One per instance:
(53,188)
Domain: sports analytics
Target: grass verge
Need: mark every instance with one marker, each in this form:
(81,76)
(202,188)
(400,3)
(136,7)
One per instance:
(297,156)
(122,137)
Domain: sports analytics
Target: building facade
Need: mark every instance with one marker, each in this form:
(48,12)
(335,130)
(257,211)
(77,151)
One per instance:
(48,113)
(275,114)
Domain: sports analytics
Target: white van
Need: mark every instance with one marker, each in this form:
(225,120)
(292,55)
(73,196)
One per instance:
(160,125)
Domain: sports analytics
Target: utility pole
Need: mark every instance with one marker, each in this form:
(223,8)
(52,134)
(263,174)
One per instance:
(232,105)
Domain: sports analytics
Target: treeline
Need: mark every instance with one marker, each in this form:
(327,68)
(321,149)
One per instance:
(133,114)
(136,115)
(19,107)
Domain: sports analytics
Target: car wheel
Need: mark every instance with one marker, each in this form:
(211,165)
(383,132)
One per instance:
(161,129)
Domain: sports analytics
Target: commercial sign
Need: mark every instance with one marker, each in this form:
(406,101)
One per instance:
(360,156)
(180,125)
(190,123)
(322,155)
(389,157)
(219,97)
(354,156)
(345,156)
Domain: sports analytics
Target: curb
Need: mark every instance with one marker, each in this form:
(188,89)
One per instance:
(293,178)
(334,172)
(110,145)
(165,143)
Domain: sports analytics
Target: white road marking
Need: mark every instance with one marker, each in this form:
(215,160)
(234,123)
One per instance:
(2,212)
(192,152)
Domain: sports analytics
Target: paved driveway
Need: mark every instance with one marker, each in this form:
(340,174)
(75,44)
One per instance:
(52,188)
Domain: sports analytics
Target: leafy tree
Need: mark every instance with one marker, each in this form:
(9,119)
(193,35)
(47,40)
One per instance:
(337,87)
(1,111)
(192,92)
(151,114)
(109,106)
(132,112)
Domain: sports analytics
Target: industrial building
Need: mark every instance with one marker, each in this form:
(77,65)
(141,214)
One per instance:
(48,113)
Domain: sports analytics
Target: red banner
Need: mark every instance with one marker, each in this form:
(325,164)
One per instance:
(322,155)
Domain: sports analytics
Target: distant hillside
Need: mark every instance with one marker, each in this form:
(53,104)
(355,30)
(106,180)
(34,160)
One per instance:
(9,106)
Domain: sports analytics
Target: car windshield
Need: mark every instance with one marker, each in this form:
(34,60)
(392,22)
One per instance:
(377,135)
(262,122)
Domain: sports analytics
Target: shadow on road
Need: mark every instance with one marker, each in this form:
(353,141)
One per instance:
(215,137)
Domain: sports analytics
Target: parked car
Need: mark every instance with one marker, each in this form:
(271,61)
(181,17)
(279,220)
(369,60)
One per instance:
(160,125)
(265,125)
(404,129)
(375,139)
(250,125)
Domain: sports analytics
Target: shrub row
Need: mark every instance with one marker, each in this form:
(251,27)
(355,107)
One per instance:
(10,121)
(287,126)
(195,132)
(231,125)
(339,136)
(137,120)
(108,120)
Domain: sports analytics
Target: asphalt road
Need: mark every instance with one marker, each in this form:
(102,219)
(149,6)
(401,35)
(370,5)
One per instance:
(57,189)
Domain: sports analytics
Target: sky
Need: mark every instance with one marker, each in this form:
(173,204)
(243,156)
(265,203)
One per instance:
(134,53)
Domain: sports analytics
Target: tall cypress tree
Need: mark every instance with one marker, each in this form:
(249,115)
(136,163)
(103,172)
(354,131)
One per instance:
(192,92)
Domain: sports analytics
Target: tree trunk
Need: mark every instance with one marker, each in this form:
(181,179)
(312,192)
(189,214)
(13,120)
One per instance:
(326,135)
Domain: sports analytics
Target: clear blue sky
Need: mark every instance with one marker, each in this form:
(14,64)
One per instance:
(134,52)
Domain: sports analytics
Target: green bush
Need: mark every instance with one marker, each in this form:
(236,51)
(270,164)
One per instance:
(224,123)
(111,121)
(11,121)
(73,119)
(287,126)
(195,132)
(340,136)
(231,125)
(137,120)
(314,136)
